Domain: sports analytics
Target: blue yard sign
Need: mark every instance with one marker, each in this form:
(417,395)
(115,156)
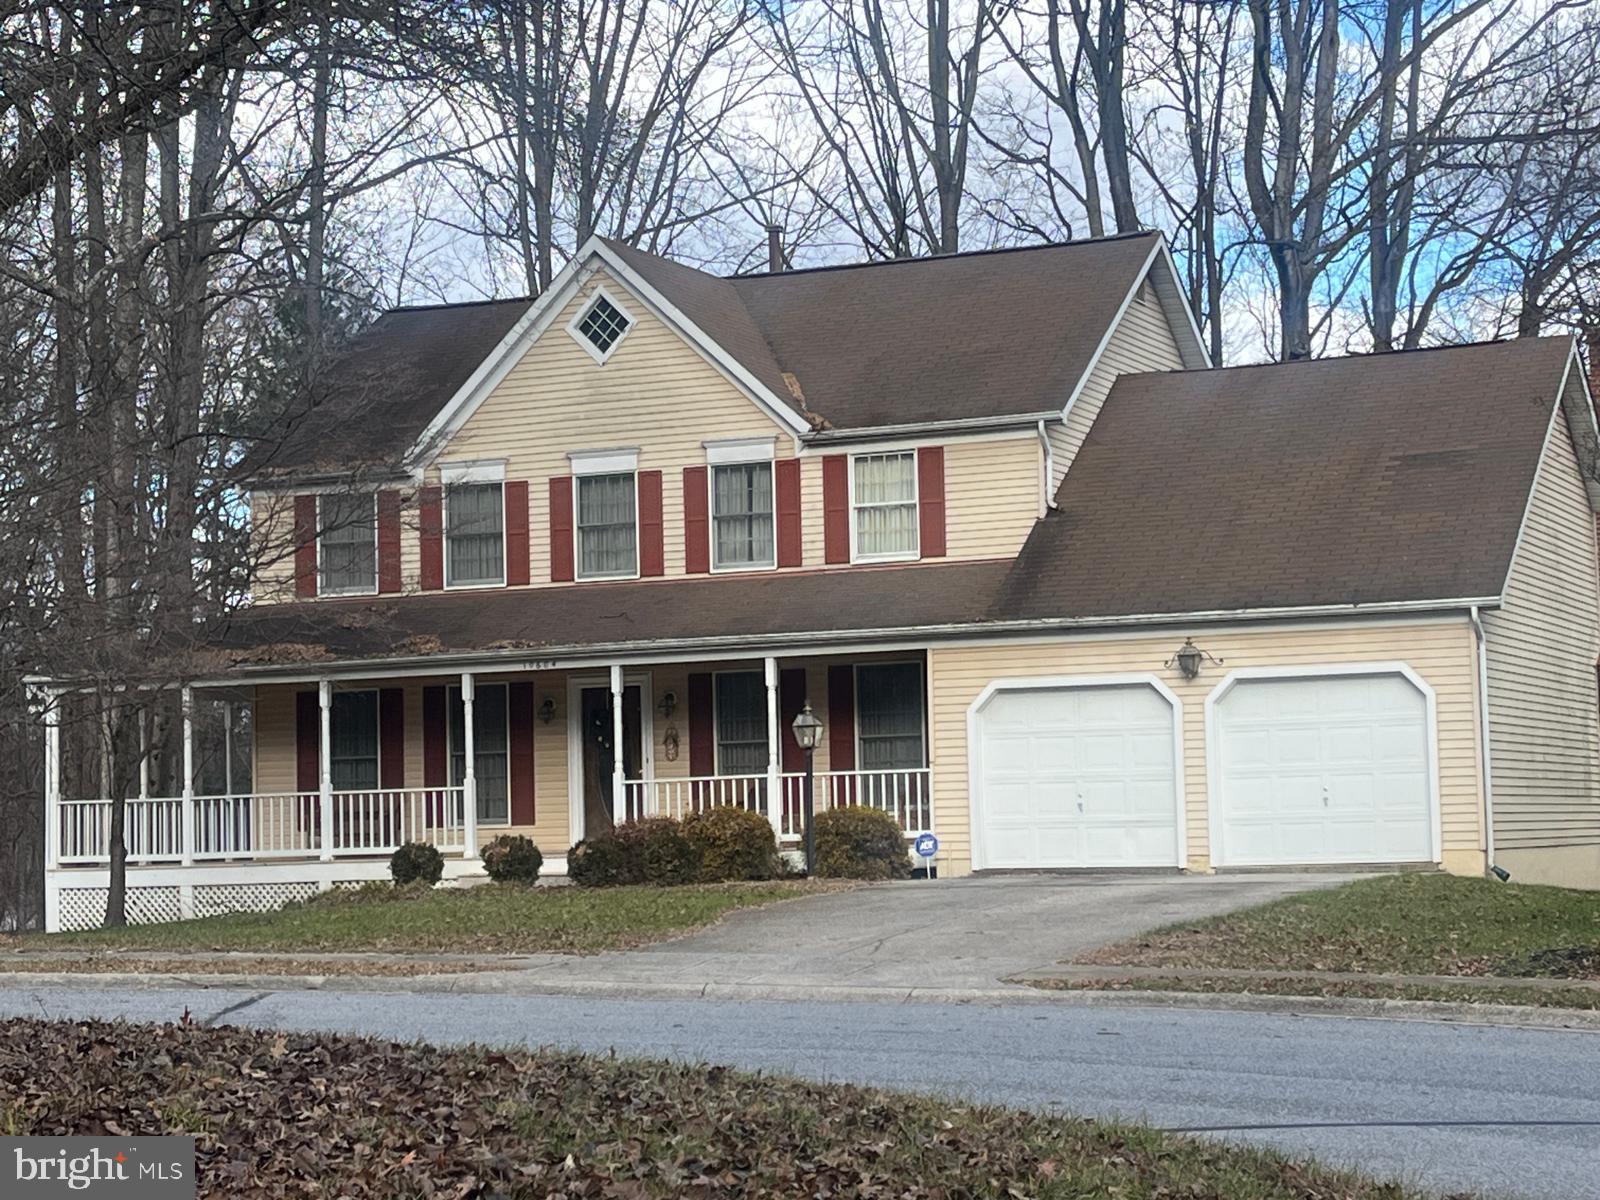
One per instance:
(926,845)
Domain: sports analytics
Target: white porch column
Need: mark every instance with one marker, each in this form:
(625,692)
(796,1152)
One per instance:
(144,754)
(774,770)
(619,797)
(325,765)
(188,775)
(469,773)
(52,781)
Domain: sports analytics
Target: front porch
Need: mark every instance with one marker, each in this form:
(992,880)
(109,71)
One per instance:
(334,765)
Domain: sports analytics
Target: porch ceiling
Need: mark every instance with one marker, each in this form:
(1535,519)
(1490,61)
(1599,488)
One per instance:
(595,616)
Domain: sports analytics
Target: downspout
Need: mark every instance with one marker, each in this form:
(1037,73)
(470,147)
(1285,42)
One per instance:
(1047,491)
(1483,743)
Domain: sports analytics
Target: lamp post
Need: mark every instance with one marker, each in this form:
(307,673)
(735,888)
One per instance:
(808,733)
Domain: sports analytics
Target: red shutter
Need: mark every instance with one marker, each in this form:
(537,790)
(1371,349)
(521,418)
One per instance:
(392,738)
(305,545)
(696,522)
(561,529)
(786,501)
(791,699)
(841,717)
(930,497)
(702,726)
(389,541)
(519,714)
(435,758)
(307,742)
(430,521)
(516,499)
(652,553)
(836,508)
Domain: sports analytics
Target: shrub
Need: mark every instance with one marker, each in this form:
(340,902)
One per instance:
(860,843)
(734,843)
(663,854)
(416,861)
(603,860)
(512,858)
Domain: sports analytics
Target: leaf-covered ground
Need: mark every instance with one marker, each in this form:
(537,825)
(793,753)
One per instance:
(1401,924)
(297,1115)
(492,918)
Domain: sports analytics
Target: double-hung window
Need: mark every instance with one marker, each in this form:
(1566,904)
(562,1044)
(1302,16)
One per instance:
(883,498)
(490,759)
(347,545)
(889,721)
(353,741)
(741,515)
(741,722)
(475,533)
(607,526)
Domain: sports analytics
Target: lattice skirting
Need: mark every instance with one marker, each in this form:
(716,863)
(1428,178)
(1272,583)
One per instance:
(85,908)
(213,899)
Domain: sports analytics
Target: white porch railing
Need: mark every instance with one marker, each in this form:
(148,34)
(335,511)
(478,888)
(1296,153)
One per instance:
(906,795)
(264,825)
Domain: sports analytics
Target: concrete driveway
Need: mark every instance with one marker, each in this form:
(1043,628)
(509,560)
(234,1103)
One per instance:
(957,934)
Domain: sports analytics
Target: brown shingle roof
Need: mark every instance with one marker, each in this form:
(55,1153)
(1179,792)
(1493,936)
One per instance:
(1384,478)
(985,334)
(378,397)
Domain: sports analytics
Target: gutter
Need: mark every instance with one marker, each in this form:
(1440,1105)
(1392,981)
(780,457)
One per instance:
(879,433)
(1047,483)
(1483,742)
(557,657)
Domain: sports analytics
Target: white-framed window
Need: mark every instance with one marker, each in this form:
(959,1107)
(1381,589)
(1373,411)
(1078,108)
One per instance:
(474,533)
(347,543)
(353,741)
(739,703)
(883,505)
(491,746)
(600,325)
(742,516)
(890,727)
(607,525)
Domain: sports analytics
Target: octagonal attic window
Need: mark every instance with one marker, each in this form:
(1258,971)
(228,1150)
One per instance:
(601,325)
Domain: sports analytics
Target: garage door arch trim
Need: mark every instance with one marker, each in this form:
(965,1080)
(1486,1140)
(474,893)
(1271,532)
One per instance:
(1042,683)
(1214,807)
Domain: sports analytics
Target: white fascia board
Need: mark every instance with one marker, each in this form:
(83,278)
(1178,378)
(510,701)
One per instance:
(1181,301)
(775,406)
(1582,422)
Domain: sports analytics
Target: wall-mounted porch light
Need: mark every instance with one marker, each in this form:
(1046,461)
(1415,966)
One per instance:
(1189,658)
(547,710)
(667,705)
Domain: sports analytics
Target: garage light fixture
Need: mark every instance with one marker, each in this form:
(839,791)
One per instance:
(1190,658)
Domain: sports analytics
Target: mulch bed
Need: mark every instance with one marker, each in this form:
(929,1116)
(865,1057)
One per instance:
(299,1115)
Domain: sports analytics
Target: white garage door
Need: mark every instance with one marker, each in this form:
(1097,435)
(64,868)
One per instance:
(1323,770)
(1076,777)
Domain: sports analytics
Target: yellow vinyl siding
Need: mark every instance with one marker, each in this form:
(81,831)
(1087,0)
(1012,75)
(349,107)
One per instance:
(1541,648)
(1141,341)
(272,532)
(1441,651)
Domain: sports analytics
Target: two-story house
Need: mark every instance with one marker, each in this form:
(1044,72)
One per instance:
(1061,593)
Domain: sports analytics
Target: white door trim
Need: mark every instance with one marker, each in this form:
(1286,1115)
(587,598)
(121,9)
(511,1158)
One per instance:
(647,741)
(1214,765)
(1041,682)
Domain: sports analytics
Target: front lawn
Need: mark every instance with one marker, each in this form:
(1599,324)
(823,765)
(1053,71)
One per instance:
(278,1115)
(1395,924)
(494,918)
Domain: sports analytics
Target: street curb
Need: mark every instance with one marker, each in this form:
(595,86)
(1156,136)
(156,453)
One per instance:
(517,984)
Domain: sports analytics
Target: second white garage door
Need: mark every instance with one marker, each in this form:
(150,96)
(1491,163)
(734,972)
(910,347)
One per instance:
(1328,769)
(1075,777)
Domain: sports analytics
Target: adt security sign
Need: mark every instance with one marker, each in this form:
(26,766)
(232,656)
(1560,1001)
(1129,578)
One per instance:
(926,845)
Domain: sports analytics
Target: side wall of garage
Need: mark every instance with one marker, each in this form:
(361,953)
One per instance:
(1542,646)
(1441,651)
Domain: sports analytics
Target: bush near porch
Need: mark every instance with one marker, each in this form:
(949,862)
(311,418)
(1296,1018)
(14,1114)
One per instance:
(396,1120)
(860,843)
(720,845)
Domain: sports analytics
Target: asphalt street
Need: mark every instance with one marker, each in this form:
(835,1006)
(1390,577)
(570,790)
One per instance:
(1492,1110)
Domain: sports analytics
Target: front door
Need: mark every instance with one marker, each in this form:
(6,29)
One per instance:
(597,752)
